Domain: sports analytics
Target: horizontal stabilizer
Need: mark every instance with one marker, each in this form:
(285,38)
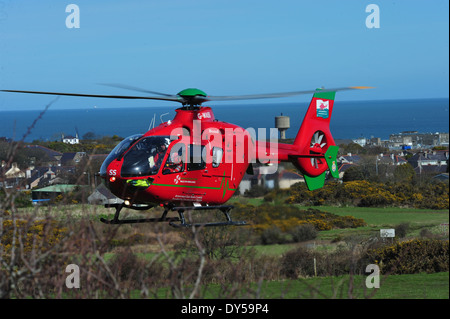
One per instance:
(331,158)
(314,183)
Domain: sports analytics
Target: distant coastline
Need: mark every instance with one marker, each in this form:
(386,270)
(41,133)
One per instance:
(350,120)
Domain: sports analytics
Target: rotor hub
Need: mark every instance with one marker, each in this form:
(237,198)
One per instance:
(192,97)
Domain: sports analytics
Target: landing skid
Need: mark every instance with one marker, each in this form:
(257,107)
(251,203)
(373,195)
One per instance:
(117,221)
(224,209)
(173,221)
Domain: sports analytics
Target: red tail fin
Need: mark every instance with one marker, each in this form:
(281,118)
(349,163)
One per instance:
(314,136)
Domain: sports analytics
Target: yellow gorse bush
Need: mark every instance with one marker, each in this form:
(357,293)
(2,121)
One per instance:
(412,256)
(288,217)
(30,235)
(372,194)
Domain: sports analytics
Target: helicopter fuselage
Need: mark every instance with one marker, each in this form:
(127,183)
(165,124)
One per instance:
(192,159)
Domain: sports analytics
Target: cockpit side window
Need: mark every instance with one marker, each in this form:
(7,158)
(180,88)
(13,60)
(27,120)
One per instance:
(118,152)
(145,157)
(175,160)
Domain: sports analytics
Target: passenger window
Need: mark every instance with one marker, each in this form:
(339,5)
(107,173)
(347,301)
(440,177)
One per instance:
(217,156)
(196,160)
(175,160)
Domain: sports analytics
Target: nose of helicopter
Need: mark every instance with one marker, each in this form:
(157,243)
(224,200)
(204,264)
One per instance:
(133,190)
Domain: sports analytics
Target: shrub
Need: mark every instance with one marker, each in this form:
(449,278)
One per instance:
(347,222)
(273,235)
(297,263)
(425,232)
(303,233)
(354,173)
(413,256)
(286,218)
(30,235)
(125,265)
(379,199)
(256,191)
(401,230)
(300,262)
(369,194)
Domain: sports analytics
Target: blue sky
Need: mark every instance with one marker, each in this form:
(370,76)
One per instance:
(222,47)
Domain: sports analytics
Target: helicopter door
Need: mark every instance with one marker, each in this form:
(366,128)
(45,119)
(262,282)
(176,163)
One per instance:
(175,161)
(196,158)
(216,166)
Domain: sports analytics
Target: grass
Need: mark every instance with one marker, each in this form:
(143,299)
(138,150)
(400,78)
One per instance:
(378,218)
(390,216)
(273,250)
(422,286)
(414,286)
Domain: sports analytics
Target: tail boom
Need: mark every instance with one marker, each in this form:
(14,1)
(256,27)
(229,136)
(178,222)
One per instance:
(314,149)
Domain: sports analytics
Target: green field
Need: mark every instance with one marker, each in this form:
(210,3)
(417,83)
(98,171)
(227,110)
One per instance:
(417,286)
(422,286)
(390,217)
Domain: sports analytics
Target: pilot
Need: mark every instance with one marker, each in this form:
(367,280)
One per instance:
(156,160)
(174,163)
(160,155)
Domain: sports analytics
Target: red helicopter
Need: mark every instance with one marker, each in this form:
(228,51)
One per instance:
(195,162)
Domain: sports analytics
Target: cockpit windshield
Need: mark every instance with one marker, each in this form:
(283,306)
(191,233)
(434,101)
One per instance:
(145,157)
(118,152)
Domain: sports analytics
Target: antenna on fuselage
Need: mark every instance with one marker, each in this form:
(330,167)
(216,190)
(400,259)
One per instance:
(161,116)
(152,123)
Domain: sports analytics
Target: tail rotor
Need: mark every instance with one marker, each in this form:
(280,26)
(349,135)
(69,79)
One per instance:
(318,144)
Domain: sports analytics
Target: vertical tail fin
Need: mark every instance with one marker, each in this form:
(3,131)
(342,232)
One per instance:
(317,118)
(314,143)
(316,146)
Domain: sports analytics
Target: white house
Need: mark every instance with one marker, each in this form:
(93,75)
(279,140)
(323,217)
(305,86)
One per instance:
(70,139)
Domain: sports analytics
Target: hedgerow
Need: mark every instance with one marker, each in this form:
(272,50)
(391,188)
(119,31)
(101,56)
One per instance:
(371,194)
(287,217)
(412,256)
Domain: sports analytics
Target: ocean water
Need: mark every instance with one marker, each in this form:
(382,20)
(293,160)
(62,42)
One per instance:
(351,119)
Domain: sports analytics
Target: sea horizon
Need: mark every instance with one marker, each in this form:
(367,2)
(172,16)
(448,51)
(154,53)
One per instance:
(350,119)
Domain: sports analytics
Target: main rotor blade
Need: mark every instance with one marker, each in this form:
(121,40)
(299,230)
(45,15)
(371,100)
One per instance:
(134,88)
(171,98)
(188,99)
(284,94)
